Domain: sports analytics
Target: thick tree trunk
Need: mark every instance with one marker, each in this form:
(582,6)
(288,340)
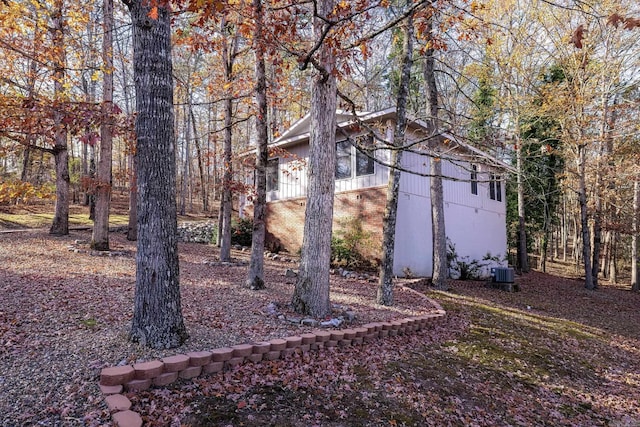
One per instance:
(26,163)
(385,283)
(157,318)
(311,295)
(436,189)
(60,224)
(255,276)
(100,238)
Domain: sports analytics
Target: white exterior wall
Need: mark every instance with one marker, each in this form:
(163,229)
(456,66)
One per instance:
(414,248)
(475,224)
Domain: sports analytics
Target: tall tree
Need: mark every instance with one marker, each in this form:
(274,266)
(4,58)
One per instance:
(60,225)
(385,283)
(255,277)
(311,294)
(230,44)
(436,189)
(157,318)
(100,238)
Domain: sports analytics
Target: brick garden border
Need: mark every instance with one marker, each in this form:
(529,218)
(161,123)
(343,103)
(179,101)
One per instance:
(160,373)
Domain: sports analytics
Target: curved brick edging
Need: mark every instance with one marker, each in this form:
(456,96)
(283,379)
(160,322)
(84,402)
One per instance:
(160,373)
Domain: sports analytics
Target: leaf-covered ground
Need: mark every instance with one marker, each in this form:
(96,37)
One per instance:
(65,314)
(553,354)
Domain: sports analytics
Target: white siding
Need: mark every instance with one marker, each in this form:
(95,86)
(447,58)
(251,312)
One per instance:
(474,223)
(292,174)
(413,247)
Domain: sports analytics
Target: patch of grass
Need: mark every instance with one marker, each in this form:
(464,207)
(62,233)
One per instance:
(89,323)
(43,220)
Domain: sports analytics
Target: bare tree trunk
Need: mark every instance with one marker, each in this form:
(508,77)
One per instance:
(26,159)
(60,225)
(311,294)
(597,228)
(214,163)
(635,283)
(132,227)
(613,257)
(203,178)
(436,189)
(385,284)
(229,54)
(157,318)
(606,254)
(100,238)
(185,167)
(523,260)
(564,224)
(584,223)
(227,177)
(255,276)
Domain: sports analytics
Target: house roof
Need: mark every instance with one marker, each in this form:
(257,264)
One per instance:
(299,132)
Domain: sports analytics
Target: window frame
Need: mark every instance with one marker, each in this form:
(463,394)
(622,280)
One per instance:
(269,174)
(474,180)
(354,155)
(495,187)
(367,140)
(349,154)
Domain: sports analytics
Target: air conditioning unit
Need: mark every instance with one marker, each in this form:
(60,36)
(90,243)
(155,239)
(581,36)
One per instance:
(502,275)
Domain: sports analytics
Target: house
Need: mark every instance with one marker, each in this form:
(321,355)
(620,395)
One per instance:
(474,191)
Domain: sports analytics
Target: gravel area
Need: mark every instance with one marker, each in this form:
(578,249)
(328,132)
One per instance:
(65,314)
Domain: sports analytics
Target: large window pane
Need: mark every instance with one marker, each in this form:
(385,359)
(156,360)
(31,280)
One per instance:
(364,164)
(272,174)
(343,160)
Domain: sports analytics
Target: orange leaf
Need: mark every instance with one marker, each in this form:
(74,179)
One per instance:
(577,37)
(153,13)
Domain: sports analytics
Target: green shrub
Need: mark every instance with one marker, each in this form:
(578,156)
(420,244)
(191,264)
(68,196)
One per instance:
(468,270)
(242,232)
(349,243)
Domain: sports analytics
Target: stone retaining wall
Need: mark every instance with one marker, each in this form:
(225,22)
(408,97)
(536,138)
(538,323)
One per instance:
(196,232)
(160,373)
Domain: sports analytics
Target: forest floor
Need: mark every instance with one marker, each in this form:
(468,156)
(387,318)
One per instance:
(552,354)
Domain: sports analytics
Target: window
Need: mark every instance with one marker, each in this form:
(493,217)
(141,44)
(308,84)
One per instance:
(343,160)
(364,162)
(272,174)
(350,158)
(495,187)
(474,179)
